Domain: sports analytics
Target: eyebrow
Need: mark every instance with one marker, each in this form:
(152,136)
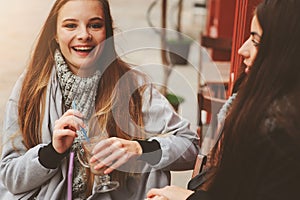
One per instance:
(96,18)
(68,19)
(75,20)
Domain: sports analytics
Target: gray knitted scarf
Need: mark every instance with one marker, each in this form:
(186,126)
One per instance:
(74,88)
(83,92)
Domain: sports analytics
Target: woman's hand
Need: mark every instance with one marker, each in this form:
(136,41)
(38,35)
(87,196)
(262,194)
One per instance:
(114,152)
(65,130)
(169,193)
(157,198)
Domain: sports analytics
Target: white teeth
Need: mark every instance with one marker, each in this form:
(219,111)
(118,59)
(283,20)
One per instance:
(83,48)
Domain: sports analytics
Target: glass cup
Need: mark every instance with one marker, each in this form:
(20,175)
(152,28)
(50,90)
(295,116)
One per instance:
(103,183)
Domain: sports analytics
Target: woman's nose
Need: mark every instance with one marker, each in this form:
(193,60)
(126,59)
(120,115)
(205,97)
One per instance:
(244,49)
(84,34)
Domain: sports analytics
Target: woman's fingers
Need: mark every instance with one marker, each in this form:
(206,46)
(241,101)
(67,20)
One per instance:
(102,148)
(69,121)
(154,192)
(63,139)
(107,152)
(115,160)
(65,128)
(71,117)
(170,192)
(157,198)
(61,133)
(114,152)
(73,112)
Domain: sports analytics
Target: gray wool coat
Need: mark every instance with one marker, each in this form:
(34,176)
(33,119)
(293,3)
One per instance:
(22,174)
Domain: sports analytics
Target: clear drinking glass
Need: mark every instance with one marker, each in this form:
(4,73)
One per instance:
(102,180)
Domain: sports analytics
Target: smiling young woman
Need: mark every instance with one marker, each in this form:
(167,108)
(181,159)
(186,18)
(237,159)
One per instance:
(78,33)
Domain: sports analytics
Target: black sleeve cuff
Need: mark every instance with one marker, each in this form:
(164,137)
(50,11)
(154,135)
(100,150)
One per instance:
(151,151)
(49,158)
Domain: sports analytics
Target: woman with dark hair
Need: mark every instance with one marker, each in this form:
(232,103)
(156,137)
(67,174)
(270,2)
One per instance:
(259,154)
(75,84)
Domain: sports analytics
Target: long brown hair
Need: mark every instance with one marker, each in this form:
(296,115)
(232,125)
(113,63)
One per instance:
(32,97)
(275,74)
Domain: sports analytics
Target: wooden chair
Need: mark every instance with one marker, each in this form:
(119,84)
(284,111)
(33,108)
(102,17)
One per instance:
(212,106)
(211,94)
(218,89)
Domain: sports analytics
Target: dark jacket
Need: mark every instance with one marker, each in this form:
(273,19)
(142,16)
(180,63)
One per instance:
(271,168)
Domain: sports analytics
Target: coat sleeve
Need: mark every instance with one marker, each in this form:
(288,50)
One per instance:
(178,143)
(20,169)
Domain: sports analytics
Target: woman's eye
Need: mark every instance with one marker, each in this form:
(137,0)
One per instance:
(70,26)
(255,43)
(255,38)
(95,25)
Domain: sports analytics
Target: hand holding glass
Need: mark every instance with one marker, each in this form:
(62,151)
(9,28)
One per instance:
(102,180)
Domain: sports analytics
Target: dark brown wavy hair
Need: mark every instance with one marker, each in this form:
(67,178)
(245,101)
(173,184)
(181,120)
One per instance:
(275,74)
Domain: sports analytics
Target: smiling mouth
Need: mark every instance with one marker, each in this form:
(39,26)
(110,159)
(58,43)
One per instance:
(83,49)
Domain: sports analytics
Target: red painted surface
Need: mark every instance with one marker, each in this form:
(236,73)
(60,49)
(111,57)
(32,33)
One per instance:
(220,22)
